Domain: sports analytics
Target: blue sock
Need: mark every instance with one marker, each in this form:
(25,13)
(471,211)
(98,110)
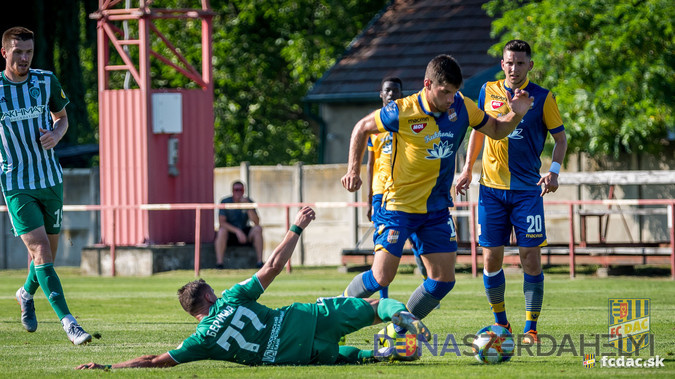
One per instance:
(438,289)
(384,293)
(369,281)
(533,288)
(495,285)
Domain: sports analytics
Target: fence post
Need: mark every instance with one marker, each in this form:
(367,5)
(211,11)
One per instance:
(472,234)
(571,245)
(198,239)
(112,243)
(671,213)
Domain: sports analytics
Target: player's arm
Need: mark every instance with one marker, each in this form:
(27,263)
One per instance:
(550,179)
(369,181)
(357,144)
(498,128)
(49,138)
(252,214)
(163,360)
(476,141)
(275,264)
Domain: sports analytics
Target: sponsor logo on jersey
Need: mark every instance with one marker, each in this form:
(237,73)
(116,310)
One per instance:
(441,150)
(416,128)
(438,134)
(516,134)
(417,120)
(496,104)
(23,113)
(497,97)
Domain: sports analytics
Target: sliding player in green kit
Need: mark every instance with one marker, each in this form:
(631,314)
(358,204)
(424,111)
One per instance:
(236,328)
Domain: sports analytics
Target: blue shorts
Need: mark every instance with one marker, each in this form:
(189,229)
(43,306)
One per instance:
(434,232)
(500,210)
(377,204)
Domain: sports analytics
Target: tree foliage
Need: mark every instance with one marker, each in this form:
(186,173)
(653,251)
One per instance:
(609,62)
(267,53)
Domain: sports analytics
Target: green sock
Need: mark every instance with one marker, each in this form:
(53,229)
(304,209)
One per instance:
(51,286)
(389,307)
(352,355)
(31,284)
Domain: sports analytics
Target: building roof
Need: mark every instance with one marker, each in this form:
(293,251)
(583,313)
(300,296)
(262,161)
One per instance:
(402,39)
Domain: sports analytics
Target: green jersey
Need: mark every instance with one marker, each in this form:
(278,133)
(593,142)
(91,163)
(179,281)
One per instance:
(25,108)
(239,329)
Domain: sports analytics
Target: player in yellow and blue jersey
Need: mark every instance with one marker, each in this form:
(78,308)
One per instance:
(379,165)
(511,190)
(428,127)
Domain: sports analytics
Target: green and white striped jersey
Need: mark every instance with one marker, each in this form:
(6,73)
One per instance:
(24,108)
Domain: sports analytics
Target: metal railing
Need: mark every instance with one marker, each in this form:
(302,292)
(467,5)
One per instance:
(470,212)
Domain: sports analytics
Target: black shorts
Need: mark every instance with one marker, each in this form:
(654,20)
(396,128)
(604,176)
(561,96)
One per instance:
(232,239)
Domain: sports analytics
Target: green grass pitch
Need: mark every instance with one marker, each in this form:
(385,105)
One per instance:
(136,316)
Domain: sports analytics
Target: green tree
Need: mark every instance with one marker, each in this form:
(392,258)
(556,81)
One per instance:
(609,62)
(267,53)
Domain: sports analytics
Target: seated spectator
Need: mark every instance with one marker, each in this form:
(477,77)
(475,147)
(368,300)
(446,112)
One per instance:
(235,229)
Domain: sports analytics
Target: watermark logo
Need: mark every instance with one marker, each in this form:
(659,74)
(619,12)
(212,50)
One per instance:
(406,345)
(629,328)
(589,360)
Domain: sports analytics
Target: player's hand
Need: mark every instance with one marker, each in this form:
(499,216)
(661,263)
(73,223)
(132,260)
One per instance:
(90,366)
(463,182)
(241,236)
(550,182)
(304,217)
(48,138)
(521,101)
(351,181)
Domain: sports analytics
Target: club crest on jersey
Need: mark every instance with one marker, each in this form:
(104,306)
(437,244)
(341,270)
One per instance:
(416,128)
(452,115)
(441,150)
(63,94)
(34,92)
(496,104)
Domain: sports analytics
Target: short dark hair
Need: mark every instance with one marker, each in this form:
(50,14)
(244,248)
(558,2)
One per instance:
(518,45)
(392,79)
(237,182)
(444,69)
(190,295)
(16,33)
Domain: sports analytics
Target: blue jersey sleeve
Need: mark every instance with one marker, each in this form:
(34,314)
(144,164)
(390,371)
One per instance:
(481,97)
(388,117)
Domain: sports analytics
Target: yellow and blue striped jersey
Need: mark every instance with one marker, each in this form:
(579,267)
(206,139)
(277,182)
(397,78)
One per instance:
(513,162)
(423,150)
(380,145)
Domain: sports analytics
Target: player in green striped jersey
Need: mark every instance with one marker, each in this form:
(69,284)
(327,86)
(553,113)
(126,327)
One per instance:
(236,328)
(33,120)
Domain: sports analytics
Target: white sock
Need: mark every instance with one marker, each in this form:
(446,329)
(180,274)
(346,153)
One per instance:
(67,321)
(25,295)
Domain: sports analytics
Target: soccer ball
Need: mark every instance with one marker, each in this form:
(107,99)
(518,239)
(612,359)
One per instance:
(493,344)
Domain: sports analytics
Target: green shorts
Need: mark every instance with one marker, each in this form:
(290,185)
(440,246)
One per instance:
(31,209)
(338,316)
